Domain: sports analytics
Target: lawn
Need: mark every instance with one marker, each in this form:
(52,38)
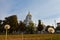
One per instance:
(32,37)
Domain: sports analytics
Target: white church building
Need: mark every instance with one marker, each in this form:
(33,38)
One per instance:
(28,19)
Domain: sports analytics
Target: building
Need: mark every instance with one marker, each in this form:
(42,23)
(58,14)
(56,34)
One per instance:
(28,19)
(58,28)
(58,24)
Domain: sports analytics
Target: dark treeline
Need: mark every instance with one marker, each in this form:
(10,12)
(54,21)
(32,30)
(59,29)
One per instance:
(18,28)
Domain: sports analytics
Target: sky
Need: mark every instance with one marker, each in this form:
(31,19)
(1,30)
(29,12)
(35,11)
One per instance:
(46,10)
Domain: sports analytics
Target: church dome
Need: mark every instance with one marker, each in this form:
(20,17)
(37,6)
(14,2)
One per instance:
(29,14)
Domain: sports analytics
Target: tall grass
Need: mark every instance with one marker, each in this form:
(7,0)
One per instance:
(32,37)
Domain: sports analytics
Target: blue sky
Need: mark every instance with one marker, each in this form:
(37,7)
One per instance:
(46,10)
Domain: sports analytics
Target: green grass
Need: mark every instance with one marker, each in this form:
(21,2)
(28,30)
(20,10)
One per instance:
(32,37)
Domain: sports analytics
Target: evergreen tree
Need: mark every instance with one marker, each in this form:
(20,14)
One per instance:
(21,26)
(1,26)
(40,26)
